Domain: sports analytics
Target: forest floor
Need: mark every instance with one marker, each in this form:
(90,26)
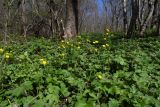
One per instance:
(90,71)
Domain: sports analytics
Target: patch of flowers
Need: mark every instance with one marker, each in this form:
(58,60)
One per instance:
(89,71)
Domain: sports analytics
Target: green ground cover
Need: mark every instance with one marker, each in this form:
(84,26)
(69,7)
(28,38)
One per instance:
(89,71)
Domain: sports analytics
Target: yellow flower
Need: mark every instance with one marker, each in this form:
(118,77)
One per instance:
(100,76)
(78,47)
(67,43)
(7,55)
(1,50)
(103,46)
(96,49)
(107,45)
(63,46)
(107,33)
(107,30)
(62,41)
(43,62)
(62,54)
(105,38)
(96,42)
(71,44)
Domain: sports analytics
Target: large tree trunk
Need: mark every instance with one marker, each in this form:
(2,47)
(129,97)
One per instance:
(71,25)
(125,16)
(149,16)
(132,26)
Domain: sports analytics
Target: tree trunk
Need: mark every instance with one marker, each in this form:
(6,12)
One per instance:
(154,16)
(158,19)
(144,25)
(132,26)
(158,27)
(141,12)
(125,16)
(71,25)
(24,19)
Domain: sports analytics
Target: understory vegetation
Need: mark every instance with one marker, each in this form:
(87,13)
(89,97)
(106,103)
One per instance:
(93,70)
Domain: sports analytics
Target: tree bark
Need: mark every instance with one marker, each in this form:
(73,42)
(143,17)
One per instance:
(154,16)
(149,16)
(158,19)
(71,25)
(24,19)
(125,16)
(132,26)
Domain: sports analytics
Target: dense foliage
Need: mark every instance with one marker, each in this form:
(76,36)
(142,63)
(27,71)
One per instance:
(91,71)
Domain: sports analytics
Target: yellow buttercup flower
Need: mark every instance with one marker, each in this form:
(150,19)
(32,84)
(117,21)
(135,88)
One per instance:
(107,30)
(112,35)
(71,44)
(7,55)
(107,45)
(63,46)
(62,54)
(103,46)
(67,43)
(43,62)
(1,50)
(100,76)
(105,38)
(78,47)
(107,33)
(96,42)
(96,49)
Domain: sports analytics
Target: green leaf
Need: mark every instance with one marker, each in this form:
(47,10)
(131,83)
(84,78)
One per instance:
(27,85)
(81,103)
(17,91)
(64,90)
(120,60)
(39,103)
(93,95)
(113,103)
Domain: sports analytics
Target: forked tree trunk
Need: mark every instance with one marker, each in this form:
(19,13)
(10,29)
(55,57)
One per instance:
(71,25)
